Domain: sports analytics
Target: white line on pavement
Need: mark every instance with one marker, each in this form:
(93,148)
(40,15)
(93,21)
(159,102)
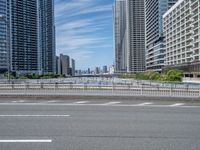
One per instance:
(81,102)
(21,101)
(34,115)
(71,104)
(111,103)
(143,104)
(177,104)
(52,101)
(27,141)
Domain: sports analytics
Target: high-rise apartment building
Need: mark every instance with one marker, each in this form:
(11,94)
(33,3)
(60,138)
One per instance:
(25,50)
(129,35)
(135,35)
(31,35)
(155,46)
(119,34)
(47,36)
(182,33)
(3,36)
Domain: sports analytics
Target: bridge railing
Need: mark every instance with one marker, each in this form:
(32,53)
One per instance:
(98,90)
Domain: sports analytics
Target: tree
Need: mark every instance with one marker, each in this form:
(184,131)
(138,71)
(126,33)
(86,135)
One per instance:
(174,75)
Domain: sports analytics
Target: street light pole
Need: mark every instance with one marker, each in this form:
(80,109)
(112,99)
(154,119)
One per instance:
(3,18)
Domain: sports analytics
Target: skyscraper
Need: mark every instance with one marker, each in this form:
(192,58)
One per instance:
(119,35)
(155,46)
(47,35)
(3,36)
(31,35)
(135,35)
(129,35)
(25,48)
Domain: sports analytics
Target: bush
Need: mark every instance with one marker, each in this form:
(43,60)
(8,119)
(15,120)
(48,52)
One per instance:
(170,75)
(174,75)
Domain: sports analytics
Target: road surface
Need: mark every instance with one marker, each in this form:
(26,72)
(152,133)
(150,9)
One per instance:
(99,125)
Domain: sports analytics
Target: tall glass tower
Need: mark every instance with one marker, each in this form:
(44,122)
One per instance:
(155,46)
(24,36)
(119,34)
(3,36)
(47,36)
(135,35)
(31,35)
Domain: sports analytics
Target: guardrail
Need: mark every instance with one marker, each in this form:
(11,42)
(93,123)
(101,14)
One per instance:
(94,90)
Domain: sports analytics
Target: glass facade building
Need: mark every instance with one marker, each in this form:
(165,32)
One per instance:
(30,38)
(24,36)
(47,36)
(135,35)
(119,34)
(3,36)
(155,45)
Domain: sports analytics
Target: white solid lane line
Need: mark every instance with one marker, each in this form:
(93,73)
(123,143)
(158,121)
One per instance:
(143,104)
(111,103)
(27,141)
(34,115)
(106,104)
(81,102)
(177,104)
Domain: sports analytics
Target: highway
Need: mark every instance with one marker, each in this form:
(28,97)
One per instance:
(99,125)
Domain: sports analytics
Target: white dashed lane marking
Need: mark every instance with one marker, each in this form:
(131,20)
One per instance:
(143,104)
(20,101)
(177,104)
(81,102)
(27,141)
(111,103)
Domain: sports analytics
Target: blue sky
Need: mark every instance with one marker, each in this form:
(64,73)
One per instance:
(84,31)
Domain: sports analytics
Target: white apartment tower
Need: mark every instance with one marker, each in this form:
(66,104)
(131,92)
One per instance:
(182,32)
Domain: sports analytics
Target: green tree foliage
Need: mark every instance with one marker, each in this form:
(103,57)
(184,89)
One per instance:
(169,75)
(174,75)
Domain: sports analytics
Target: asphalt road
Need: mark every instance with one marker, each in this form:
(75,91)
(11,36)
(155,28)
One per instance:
(101,126)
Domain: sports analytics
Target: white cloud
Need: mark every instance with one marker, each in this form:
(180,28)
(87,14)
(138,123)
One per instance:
(79,35)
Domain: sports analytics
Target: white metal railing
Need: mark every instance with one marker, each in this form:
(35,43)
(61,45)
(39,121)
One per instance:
(98,90)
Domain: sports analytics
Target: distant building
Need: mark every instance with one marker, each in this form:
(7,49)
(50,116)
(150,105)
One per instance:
(73,66)
(111,69)
(105,69)
(58,65)
(88,71)
(64,65)
(97,70)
